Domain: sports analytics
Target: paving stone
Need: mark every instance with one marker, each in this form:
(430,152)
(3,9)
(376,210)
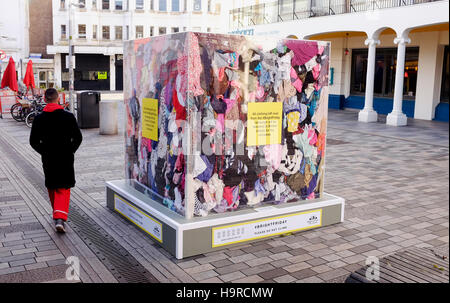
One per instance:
(332,274)
(303,274)
(198,268)
(259,261)
(249,279)
(297,266)
(284,279)
(22,262)
(257,269)
(232,276)
(274,273)
(231,268)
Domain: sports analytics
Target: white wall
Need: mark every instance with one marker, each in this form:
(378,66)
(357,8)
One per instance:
(14,24)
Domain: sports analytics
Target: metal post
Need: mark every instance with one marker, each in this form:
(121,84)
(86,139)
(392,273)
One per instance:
(71,99)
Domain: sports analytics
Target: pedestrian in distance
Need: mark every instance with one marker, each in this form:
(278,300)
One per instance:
(55,135)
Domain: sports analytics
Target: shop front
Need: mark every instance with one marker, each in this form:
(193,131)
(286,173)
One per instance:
(91,72)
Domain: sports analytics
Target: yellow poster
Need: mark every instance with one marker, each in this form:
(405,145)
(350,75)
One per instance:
(102,75)
(264,123)
(150,118)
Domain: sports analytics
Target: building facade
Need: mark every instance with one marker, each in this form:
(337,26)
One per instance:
(387,56)
(101,26)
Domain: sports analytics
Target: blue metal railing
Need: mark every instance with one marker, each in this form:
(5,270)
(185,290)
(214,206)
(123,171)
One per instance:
(288,10)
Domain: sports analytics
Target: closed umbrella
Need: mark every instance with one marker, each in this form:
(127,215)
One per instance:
(9,76)
(29,76)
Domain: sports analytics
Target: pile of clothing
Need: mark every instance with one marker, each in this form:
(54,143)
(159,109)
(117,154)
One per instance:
(203,83)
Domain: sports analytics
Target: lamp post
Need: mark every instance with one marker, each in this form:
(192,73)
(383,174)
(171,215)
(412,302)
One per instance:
(71,99)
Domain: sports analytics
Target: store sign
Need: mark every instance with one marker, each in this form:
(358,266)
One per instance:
(264,123)
(102,75)
(142,220)
(150,118)
(226,235)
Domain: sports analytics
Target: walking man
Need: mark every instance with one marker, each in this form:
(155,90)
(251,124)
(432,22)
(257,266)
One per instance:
(56,137)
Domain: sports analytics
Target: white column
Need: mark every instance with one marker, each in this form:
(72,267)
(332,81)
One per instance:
(57,70)
(397,117)
(429,75)
(112,72)
(368,114)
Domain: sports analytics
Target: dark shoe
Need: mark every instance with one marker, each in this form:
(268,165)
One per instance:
(59,225)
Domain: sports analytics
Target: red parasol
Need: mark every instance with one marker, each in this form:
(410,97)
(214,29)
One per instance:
(29,76)
(9,76)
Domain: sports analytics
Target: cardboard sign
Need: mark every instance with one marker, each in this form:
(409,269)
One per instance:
(264,123)
(150,118)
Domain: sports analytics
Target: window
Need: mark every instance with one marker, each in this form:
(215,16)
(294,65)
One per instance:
(209,6)
(162,30)
(105,32)
(197,5)
(139,4)
(175,5)
(139,31)
(105,4)
(445,87)
(46,79)
(82,3)
(94,4)
(118,31)
(94,31)
(63,32)
(82,31)
(162,5)
(185,5)
(152,31)
(127,33)
(175,29)
(152,5)
(119,5)
(208,29)
(62,4)
(385,68)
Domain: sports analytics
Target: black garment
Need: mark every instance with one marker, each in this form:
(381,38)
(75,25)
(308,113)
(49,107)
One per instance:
(56,136)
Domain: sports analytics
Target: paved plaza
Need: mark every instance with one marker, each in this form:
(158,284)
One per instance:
(395,181)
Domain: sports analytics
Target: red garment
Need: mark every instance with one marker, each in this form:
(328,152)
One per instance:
(60,199)
(179,109)
(228,194)
(28,80)
(9,76)
(50,107)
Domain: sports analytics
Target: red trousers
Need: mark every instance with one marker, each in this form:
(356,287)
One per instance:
(60,198)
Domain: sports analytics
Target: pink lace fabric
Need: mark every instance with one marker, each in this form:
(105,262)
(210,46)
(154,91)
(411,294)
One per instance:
(190,67)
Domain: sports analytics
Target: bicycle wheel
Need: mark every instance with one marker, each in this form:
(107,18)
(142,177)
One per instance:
(16,112)
(24,113)
(30,118)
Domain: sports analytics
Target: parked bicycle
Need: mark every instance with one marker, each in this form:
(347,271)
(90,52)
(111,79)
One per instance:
(39,109)
(26,105)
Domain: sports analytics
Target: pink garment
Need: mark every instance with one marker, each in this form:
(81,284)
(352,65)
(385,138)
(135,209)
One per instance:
(221,73)
(311,196)
(316,71)
(312,136)
(189,61)
(272,155)
(220,122)
(296,82)
(303,50)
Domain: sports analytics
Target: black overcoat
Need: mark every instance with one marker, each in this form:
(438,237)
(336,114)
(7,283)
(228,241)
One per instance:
(56,137)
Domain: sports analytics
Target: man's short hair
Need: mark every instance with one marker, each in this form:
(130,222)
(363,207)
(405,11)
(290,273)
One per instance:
(51,94)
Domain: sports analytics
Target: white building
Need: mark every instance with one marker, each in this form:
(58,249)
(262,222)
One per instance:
(14,25)
(100,28)
(387,56)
